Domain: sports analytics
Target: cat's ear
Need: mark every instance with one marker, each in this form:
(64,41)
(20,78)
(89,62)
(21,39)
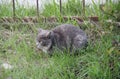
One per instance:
(49,34)
(40,30)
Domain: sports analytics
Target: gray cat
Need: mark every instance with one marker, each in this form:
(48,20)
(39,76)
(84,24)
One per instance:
(65,36)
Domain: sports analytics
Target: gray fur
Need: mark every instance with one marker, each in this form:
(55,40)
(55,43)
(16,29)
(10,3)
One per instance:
(64,36)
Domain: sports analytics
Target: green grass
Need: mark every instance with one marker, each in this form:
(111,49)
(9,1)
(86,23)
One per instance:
(100,60)
(6,10)
(72,8)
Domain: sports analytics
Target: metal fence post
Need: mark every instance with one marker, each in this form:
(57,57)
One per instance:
(60,6)
(83,4)
(37,8)
(13,8)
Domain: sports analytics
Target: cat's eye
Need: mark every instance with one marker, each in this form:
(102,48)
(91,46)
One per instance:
(40,42)
(48,37)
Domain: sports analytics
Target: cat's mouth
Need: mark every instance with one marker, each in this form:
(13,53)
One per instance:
(45,48)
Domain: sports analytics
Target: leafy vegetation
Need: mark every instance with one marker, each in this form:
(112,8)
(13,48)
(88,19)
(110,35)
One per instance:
(100,60)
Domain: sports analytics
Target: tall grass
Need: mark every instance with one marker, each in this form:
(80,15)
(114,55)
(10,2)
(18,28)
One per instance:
(100,59)
(73,7)
(6,10)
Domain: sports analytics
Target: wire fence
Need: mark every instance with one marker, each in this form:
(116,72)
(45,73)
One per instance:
(37,18)
(37,7)
(81,8)
(44,19)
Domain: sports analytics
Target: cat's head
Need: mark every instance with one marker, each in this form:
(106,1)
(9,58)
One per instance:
(44,40)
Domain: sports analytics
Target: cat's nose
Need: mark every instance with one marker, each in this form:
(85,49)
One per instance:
(44,44)
(37,44)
